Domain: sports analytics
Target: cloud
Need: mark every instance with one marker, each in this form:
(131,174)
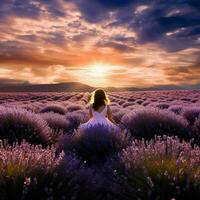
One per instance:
(18,8)
(145,41)
(184,74)
(50,74)
(152,23)
(116,45)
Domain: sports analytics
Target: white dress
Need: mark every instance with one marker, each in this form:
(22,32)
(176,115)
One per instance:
(99,118)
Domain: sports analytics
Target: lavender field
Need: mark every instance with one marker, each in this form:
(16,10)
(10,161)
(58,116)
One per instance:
(155,155)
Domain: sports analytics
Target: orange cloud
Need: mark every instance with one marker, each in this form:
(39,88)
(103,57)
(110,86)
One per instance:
(61,48)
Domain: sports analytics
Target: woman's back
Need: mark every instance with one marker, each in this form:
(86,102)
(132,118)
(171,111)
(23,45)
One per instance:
(101,112)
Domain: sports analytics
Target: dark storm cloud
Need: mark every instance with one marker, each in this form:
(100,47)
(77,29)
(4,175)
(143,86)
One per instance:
(194,3)
(114,3)
(29,8)
(173,33)
(181,18)
(98,10)
(106,4)
(9,8)
(92,11)
(54,7)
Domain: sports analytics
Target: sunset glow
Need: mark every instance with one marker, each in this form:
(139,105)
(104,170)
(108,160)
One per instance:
(95,74)
(99,69)
(100,43)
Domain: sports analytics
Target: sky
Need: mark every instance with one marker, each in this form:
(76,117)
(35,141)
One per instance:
(101,43)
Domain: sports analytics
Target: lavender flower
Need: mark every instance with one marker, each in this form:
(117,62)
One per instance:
(74,107)
(95,144)
(145,123)
(154,170)
(58,123)
(53,108)
(31,172)
(191,114)
(18,124)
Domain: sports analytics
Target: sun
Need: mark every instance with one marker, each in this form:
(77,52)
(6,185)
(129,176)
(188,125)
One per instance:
(95,74)
(99,70)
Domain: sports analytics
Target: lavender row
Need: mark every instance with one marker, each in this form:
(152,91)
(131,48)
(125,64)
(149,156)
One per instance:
(162,168)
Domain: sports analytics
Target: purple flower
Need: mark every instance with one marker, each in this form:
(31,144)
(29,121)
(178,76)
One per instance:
(19,124)
(95,144)
(148,122)
(54,108)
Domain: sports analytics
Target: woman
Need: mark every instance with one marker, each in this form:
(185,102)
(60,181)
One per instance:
(99,111)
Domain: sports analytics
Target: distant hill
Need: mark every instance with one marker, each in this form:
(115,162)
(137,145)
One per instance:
(79,87)
(174,87)
(158,87)
(59,87)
